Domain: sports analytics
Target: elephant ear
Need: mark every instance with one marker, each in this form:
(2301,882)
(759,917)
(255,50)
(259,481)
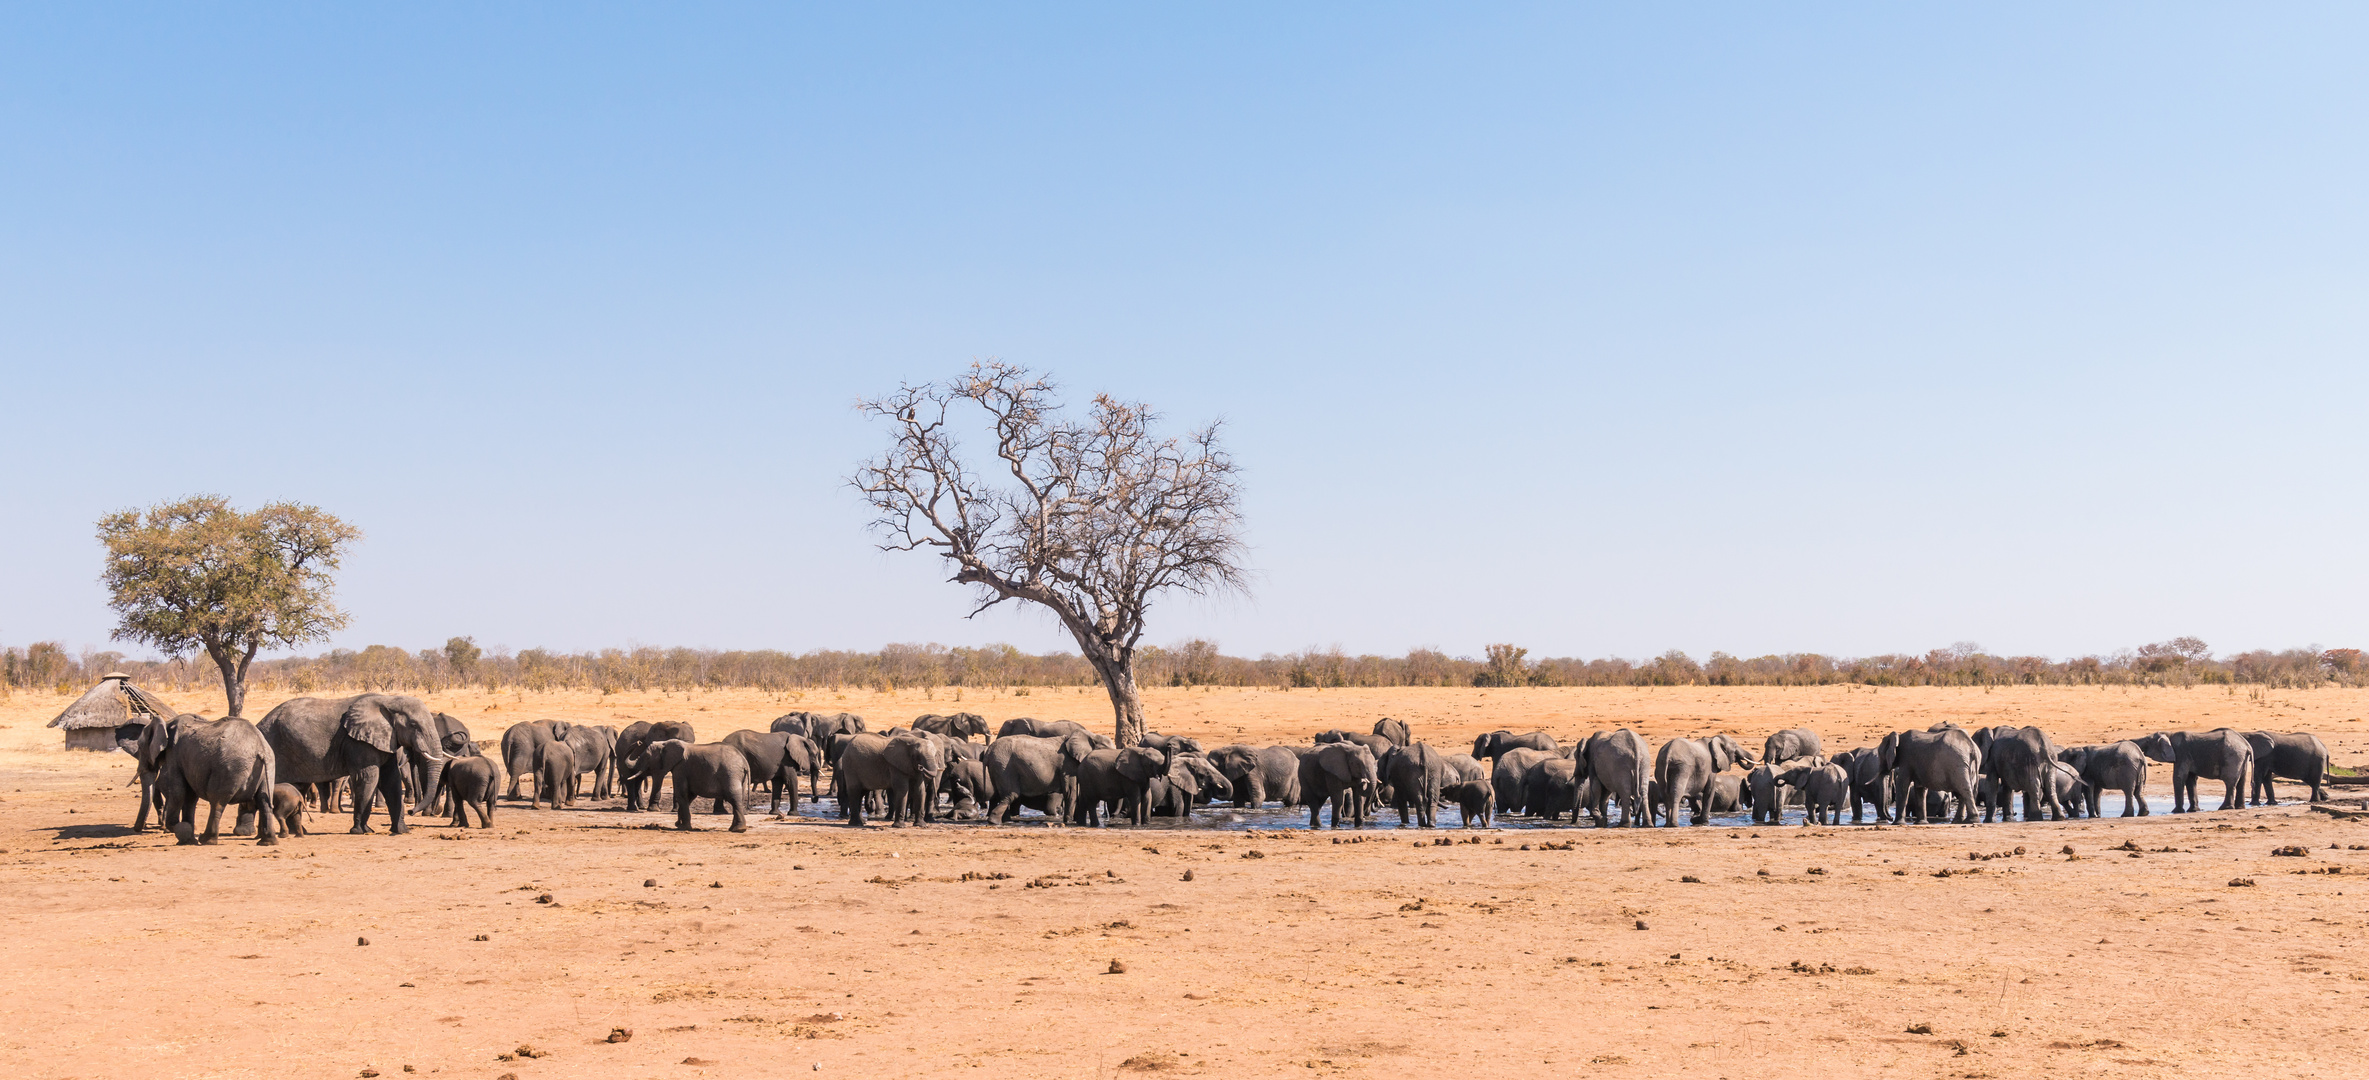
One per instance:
(366,722)
(1720,758)
(559,729)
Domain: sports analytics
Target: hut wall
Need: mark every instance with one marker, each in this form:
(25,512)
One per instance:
(90,738)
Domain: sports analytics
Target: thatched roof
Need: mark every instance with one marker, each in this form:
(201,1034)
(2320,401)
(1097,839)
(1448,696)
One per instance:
(113,702)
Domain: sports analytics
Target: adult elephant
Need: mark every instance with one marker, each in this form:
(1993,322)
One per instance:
(634,765)
(960,726)
(1101,791)
(1343,774)
(1618,763)
(1683,769)
(358,738)
(1054,729)
(821,727)
(1870,783)
(776,760)
(906,767)
(2018,760)
(1466,767)
(525,745)
(2221,754)
(1374,744)
(2292,755)
(454,738)
(1169,744)
(1394,730)
(128,738)
(1416,773)
(1034,766)
(1764,791)
(1941,759)
(1550,788)
(594,747)
(699,771)
(1256,774)
(1789,744)
(1188,778)
(1497,743)
(1824,786)
(223,762)
(1505,777)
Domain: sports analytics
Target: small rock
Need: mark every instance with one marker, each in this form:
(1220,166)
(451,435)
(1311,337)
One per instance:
(543,899)
(365,1072)
(1188,875)
(620,1035)
(715,884)
(1920,1029)
(482,937)
(1641,924)
(1118,967)
(527,1050)
(649,883)
(361,941)
(697,1061)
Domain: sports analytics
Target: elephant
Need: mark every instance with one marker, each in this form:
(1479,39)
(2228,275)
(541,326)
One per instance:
(700,771)
(960,726)
(1466,767)
(1683,770)
(2071,792)
(559,778)
(1054,729)
(224,762)
(1172,793)
(822,726)
(1505,777)
(2221,754)
(595,752)
(2019,760)
(454,738)
(1496,743)
(1100,789)
(1136,767)
(776,759)
(1343,774)
(1824,787)
(1617,762)
(524,746)
(1257,774)
(1869,783)
(1393,730)
(2286,755)
(1940,759)
(321,739)
(1374,744)
(1169,744)
(1763,792)
(1416,774)
(469,783)
(287,805)
(1033,766)
(792,723)
(1789,744)
(1550,788)
(632,746)
(1474,798)
(127,739)
(2120,766)
(907,767)
(969,786)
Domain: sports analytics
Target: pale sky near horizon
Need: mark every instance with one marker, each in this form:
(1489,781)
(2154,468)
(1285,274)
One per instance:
(1603,330)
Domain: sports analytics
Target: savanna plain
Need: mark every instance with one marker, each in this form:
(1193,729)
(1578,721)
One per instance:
(809,947)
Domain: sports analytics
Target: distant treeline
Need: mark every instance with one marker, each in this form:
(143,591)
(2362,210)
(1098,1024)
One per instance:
(460,662)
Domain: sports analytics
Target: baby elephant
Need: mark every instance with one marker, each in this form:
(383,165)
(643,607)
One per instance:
(287,804)
(1477,798)
(470,781)
(1824,788)
(558,778)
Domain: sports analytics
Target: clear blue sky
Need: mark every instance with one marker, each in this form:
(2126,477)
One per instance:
(1600,330)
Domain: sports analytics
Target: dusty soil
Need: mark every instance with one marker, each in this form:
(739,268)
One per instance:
(935,951)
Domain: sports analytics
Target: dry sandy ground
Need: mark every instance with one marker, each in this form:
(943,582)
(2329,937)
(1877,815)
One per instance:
(816,949)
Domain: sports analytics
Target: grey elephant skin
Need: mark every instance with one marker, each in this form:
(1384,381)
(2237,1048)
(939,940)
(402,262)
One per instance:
(632,746)
(222,762)
(2292,755)
(1343,775)
(454,739)
(359,738)
(1506,775)
(469,784)
(699,771)
(776,760)
(1870,783)
(960,726)
(906,768)
(1259,773)
(1551,788)
(1498,743)
(1618,764)
(524,746)
(2220,754)
(1790,744)
(1188,779)
(1475,800)
(1033,766)
(1683,770)
(1416,774)
(1054,729)
(287,806)
(1940,759)
(2119,766)
(1394,730)
(2019,761)
(1824,787)
(1375,744)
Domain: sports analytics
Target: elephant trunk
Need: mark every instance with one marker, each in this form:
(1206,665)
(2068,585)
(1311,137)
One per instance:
(430,781)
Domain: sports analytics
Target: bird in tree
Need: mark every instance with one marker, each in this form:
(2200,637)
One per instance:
(198,574)
(1099,515)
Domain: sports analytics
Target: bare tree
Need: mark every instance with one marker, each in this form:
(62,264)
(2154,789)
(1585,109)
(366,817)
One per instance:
(1099,516)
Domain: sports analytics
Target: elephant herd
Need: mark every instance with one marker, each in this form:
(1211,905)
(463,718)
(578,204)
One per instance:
(385,746)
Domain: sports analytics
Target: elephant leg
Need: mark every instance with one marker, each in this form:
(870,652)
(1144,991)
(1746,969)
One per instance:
(682,808)
(365,781)
(213,833)
(740,815)
(390,781)
(267,825)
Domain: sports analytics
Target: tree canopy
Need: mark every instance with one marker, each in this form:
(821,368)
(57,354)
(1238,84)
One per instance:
(197,574)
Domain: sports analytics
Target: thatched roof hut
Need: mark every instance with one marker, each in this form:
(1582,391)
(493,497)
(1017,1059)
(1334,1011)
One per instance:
(92,720)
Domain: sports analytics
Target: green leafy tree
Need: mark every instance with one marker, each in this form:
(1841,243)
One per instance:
(198,574)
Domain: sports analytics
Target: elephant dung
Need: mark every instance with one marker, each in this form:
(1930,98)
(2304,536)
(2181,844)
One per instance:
(620,1035)
(1118,967)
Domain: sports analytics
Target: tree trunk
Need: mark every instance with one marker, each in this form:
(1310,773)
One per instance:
(1126,702)
(234,683)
